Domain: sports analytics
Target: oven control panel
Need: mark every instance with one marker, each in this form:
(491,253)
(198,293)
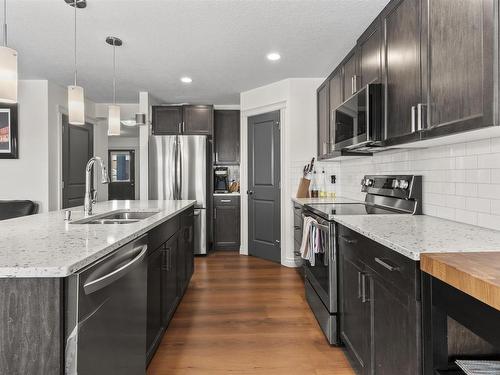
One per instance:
(401,186)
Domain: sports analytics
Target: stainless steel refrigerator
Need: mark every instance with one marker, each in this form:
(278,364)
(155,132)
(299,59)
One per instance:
(178,170)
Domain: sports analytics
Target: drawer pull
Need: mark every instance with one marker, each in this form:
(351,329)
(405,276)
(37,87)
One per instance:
(386,265)
(296,227)
(225,200)
(348,240)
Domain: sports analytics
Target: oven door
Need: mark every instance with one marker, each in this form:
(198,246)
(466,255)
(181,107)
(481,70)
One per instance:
(323,275)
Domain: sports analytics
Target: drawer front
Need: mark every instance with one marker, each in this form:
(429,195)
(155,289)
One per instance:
(226,201)
(400,271)
(159,235)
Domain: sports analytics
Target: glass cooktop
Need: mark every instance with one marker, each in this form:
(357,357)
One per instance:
(328,210)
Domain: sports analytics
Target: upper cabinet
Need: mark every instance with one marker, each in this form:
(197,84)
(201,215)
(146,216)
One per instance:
(185,119)
(323,113)
(350,73)
(370,54)
(435,60)
(227,137)
(458,68)
(402,67)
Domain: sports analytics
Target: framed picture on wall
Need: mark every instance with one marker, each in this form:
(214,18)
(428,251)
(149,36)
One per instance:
(8,131)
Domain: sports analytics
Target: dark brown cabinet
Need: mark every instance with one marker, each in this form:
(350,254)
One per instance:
(185,119)
(226,137)
(226,222)
(350,74)
(323,113)
(370,54)
(169,278)
(458,68)
(380,311)
(402,67)
(154,321)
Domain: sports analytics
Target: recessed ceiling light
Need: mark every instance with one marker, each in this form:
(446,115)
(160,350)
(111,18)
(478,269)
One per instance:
(273,56)
(186,80)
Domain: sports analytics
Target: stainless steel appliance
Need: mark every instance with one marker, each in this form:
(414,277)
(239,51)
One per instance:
(106,314)
(357,123)
(221,180)
(178,170)
(385,195)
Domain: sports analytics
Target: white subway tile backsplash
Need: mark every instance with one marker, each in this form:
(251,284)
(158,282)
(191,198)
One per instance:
(460,181)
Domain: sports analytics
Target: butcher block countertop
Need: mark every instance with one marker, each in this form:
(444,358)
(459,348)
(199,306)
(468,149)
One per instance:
(476,274)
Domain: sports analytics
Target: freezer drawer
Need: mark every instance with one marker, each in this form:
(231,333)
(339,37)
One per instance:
(200,231)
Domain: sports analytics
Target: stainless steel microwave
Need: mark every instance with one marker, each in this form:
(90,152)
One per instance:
(357,123)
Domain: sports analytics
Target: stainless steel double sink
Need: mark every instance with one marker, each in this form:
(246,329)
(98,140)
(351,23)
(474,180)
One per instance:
(116,217)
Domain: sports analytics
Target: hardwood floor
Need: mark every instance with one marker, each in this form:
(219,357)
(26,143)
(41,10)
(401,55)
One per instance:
(244,315)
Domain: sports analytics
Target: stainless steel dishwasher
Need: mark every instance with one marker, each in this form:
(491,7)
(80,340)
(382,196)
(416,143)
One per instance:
(106,314)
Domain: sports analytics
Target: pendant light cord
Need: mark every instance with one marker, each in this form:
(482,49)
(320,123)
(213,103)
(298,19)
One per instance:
(74,5)
(114,73)
(5,23)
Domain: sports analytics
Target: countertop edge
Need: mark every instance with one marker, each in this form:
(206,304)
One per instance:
(473,285)
(61,272)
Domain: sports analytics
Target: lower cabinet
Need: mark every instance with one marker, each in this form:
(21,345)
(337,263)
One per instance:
(170,266)
(227,222)
(380,307)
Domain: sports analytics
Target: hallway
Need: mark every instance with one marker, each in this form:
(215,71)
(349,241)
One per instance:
(244,315)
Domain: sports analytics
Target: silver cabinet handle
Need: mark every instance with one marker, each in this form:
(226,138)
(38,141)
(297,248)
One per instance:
(386,265)
(296,227)
(225,200)
(359,284)
(364,299)
(179,127)
(352,85)
(413,119)
(420,116)
(101,282)
(183,127)
(355,83)
(348,240)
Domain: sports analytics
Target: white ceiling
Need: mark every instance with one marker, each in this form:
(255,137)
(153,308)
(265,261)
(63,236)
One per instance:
(221,44)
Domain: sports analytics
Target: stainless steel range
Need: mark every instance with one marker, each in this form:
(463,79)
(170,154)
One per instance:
(385,195)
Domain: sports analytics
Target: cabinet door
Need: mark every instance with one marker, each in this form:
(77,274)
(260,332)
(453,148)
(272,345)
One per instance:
(351,78)
(323,120)
(154,317)
(198,119)
(167,120)
(227,137)
(169,279)
(402,67)
(355,329)
(370,55)
(181,263)
(459,64)
(394,328)
(227,227)
(189,245)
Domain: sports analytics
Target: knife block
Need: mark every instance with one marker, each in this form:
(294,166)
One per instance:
(303,190)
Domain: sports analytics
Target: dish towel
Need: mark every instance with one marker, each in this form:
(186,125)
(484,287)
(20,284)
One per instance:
(306,247)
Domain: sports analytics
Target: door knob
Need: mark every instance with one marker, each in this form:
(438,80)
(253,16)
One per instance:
(250,192)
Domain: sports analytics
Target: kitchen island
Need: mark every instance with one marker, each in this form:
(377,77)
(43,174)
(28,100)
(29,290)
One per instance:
(40,253)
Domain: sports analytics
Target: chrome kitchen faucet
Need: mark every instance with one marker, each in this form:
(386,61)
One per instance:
(90,192)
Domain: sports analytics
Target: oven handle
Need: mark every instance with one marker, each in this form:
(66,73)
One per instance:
(318,225)
(329,252)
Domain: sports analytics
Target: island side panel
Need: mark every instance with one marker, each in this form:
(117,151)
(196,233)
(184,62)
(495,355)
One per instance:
(31,316)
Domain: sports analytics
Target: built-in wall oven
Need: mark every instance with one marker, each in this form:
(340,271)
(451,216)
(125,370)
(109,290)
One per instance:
(387,195)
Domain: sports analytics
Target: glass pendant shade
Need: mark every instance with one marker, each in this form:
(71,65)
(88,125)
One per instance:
(8,75)
(114,120)
(76,105)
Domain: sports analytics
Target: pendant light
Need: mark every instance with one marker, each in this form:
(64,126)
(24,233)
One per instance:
(8,66)
(114,110)
(76,95)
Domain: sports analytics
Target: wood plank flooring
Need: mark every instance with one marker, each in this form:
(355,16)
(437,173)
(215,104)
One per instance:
(243,315)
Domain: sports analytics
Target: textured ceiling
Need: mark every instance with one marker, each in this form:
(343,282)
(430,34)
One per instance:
(221,44)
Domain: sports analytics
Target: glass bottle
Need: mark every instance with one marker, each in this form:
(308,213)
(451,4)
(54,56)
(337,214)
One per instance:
(314,186)
(322,188)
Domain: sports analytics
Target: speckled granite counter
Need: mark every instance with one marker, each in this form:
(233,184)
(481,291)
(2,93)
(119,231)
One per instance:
(303,201)
(45,245)
(412,235)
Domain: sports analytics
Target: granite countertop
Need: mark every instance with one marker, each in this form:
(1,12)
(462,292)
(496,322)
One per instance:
(477,274)
(413,235)
(45,245)
(304,201)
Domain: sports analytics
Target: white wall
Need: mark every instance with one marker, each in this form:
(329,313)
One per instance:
(28,177)
(296,100)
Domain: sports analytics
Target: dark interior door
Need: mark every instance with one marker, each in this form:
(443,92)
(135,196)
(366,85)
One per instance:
(264,186)
(122,175)
(77,148)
